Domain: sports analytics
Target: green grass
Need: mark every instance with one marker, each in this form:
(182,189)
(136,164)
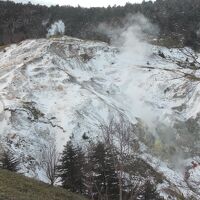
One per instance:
(18,187)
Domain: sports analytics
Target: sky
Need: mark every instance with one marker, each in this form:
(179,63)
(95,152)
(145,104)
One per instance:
(83,3)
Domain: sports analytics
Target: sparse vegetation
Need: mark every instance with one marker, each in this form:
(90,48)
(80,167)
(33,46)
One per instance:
(18,187)
(34,111)
(9,161)
(108,170)
(85,57)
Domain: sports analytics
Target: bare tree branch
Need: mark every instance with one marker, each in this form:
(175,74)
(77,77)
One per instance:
(50,162)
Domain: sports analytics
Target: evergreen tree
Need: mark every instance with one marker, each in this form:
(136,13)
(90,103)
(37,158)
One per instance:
(9,162)
(105,181)
(71,168)
(178,20)
(148,192)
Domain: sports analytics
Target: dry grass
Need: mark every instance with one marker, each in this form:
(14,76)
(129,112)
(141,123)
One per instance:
(18,187)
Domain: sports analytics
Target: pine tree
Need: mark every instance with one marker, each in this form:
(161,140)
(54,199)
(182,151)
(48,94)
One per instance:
(148,192)
(105,181)
(71,168)
(9,162)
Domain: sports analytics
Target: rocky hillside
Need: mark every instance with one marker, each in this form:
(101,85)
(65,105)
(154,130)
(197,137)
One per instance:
(54,88)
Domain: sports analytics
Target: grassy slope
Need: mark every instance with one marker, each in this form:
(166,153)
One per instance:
(17,187)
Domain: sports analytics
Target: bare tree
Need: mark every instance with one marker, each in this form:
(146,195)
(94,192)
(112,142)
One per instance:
(50,162)
(119,135)
(188,58)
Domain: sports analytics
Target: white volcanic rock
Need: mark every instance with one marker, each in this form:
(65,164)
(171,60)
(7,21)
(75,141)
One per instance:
(53,88)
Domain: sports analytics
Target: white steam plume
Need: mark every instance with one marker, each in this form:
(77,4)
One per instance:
(132,36)
(57,28)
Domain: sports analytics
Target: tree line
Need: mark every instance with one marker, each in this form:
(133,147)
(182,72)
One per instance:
(92,173)
(179,19)
(96,174)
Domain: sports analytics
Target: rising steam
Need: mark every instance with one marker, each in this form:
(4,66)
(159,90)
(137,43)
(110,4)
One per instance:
(132,35)
(57,28)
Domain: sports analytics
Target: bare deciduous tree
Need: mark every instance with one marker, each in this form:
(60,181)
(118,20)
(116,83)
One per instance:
(119,135)
(50,162)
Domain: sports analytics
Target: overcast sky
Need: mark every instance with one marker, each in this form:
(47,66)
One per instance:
(84,3)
